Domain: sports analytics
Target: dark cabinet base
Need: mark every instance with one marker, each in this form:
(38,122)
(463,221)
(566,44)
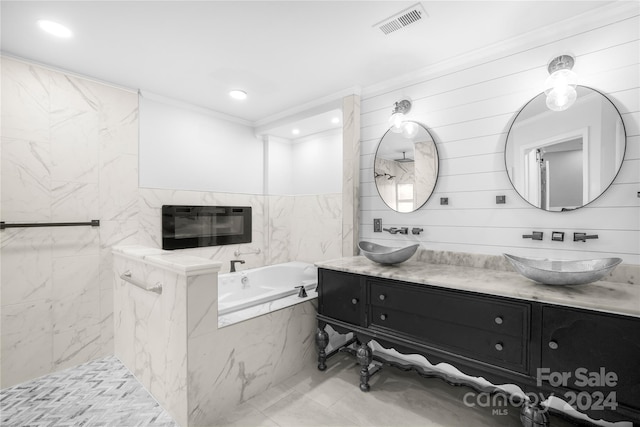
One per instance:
(505,341)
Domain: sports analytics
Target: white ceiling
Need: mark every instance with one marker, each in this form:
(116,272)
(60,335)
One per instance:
(288,55)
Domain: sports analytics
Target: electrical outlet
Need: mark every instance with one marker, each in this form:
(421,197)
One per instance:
(500,200)
(377,225)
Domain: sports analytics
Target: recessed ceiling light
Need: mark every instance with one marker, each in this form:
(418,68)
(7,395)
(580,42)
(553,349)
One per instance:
(238,94)
(54,28)
(335,120)
(295,131)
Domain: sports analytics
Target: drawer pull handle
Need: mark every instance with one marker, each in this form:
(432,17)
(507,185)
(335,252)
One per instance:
(382,297)
(553,345)
(499,320)
(499,346)
(383,317)
(354,301)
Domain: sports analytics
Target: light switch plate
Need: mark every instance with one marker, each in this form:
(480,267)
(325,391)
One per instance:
(377,225)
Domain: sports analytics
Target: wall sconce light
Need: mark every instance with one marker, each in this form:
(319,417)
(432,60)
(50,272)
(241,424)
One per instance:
(560,86)
(398,115)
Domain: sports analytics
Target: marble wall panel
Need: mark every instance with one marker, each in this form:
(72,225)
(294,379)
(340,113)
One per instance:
(279,233)
(26,179)
(25,101)
(77,295)
(316,228)
(56,130)
(26,265)
(27,341)
(350,174)
(240,361)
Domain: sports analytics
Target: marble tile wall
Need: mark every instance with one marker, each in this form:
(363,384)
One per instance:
(171,342)
(350,174)
(69,152)
(285,228)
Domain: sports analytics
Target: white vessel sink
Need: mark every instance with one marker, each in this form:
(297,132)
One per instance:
(557,272)
(385,254)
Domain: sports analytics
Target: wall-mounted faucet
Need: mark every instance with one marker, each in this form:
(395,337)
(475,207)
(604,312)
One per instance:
(582,237)
(535,235)
(233,264)
(394,230)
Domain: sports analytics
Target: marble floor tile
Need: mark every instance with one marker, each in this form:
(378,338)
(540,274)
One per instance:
(99,393)
(396,398)
(296,409)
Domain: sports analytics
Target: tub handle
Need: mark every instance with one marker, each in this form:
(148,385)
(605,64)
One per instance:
(126,276)
(302,293)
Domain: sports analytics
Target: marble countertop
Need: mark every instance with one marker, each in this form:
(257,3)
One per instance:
(610,297)
(186,265)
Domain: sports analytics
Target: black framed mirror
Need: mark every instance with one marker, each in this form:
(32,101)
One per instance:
(563,160)
(406,168)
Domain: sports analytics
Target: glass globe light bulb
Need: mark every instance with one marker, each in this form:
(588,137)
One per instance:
(395,122)
(561,99)
(409,129)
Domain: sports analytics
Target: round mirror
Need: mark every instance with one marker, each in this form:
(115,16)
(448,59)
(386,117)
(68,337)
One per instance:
(562,160)
(406,168)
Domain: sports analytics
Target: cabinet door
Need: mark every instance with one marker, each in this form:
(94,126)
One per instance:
(341,296)
(588,348)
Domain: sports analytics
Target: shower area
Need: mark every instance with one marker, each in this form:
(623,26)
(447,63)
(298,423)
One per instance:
(69,154)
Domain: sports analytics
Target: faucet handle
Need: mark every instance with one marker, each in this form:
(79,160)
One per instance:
(582,237)
(535,235)
(302,293)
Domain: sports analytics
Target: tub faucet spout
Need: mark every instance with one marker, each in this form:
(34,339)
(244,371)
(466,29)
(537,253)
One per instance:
(233,264)
(302,293)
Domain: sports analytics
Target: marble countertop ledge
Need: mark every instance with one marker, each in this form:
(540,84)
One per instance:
(610,297)
(186,265)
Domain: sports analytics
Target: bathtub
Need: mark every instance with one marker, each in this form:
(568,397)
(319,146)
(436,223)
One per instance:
(248,288)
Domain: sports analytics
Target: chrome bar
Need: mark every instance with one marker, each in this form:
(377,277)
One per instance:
(237,253)
(126,276)
(92,223)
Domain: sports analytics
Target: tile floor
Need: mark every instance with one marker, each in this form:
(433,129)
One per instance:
(101,393)
(105,393)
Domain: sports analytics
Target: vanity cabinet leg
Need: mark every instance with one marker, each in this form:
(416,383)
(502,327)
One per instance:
(533,416)
(322,341)
(365,358)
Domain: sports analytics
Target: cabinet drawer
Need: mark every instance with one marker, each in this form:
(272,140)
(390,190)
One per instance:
(487,314)
(341,296)
(497,349)
(581,344)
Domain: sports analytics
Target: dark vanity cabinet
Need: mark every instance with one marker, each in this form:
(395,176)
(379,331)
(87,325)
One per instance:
(342,297)
(593,357)
(589,359)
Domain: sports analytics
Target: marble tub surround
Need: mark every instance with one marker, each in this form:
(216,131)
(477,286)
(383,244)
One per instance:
(611,297)
(266,308)
(69,152)
(172,344)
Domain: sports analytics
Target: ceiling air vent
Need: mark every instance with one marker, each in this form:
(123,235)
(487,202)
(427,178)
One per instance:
(401,19)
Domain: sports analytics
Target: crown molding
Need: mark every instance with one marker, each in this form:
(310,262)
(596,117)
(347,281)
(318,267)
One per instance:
(63,71)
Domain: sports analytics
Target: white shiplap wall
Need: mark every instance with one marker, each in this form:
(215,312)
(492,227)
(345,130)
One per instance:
(469,109)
